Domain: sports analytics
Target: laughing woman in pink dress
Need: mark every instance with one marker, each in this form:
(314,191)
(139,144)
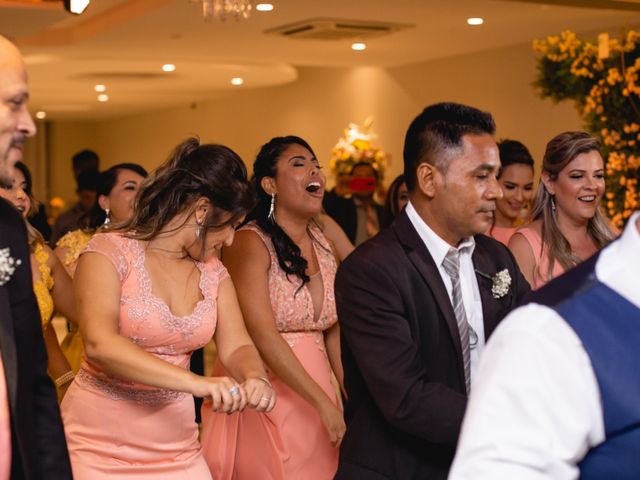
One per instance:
(283,265)
(147,297)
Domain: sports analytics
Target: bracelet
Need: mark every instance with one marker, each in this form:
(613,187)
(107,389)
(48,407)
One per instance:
(265,380)
(64,378)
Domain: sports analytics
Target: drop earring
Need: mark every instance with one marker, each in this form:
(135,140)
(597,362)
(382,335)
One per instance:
(107,220)
(553,204)
(198,228)
(272,209)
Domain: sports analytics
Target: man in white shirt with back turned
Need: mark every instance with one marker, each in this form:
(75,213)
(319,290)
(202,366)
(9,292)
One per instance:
(558,389)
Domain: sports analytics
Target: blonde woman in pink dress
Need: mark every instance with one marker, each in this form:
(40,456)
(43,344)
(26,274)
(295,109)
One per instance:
(148,296)
(284,265)
(567,223)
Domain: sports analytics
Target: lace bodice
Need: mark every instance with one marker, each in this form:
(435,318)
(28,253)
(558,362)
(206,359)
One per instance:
(147,320)
(292,308)
(42,287)
(74,242)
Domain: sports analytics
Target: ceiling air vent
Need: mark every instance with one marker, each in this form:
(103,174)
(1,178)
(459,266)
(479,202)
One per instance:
(334,29)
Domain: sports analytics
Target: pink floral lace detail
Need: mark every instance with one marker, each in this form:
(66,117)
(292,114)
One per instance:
(147,321)
(293,308)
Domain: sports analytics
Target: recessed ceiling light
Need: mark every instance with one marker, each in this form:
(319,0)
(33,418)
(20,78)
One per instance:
(168,67)
(103,97)
(475,21)
(76,6)
(264,7)
(237,81)
(100,88)
(41,115)
(359,46)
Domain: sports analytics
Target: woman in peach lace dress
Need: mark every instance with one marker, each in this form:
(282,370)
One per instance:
(148,296)
(284,266)
(568,225)
(114,205)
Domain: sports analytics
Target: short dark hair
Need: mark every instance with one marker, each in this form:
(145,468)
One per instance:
(437,133)
(85,159)
(513,152)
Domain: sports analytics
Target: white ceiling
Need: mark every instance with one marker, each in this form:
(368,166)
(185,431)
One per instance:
(124,43)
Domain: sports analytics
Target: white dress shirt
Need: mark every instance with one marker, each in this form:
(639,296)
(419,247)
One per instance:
(468,281)
(535,408)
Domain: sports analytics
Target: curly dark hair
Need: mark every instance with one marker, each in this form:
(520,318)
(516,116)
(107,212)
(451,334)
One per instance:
(289,255)
(192,171)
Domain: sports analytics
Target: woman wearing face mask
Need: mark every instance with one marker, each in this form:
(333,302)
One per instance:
(51,283)
(114,205)
(516,181)
(148,295)
(283,265)
(568,225)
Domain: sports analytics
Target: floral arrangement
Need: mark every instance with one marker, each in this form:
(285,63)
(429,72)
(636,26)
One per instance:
(357,146)
(500,282)
(602,79)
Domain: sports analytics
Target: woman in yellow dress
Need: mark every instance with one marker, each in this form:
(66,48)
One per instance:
(51,283)
(114,205)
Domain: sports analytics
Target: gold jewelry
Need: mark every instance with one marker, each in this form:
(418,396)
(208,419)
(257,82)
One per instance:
(64,378)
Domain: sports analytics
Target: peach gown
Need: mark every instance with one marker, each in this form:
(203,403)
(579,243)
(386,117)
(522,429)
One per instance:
(290,442)
(541,275)
(119,429)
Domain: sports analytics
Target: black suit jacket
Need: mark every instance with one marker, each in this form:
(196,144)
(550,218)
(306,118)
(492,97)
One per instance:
(345,213)
(402,356)
(39,449)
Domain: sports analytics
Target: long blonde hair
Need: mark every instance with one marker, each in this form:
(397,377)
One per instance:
(561,150)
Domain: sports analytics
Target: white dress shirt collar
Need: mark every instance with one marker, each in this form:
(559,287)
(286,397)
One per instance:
(436,245)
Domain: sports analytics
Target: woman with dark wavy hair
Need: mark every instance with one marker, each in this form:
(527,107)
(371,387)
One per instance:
(283,266)
(567,224)
(148,295)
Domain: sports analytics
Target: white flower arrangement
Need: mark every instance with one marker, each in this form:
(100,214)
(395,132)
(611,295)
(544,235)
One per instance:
(500,282)
(8,265)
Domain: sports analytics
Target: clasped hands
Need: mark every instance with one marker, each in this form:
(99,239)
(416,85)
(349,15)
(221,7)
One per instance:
(228,396)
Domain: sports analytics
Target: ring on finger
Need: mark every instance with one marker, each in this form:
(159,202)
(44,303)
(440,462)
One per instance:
(234,391)
(265,398)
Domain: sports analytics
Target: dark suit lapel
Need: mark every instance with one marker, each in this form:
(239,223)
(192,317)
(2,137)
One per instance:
(423,261)
(8,347)
(484,264)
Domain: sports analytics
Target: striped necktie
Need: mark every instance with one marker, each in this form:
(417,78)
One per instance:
(451,264)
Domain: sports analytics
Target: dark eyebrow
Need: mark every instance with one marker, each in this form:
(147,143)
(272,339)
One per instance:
(485,167)
(302,157)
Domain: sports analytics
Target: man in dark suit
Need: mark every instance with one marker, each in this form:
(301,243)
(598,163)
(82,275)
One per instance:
(358,215)
(37,447)
(417,303)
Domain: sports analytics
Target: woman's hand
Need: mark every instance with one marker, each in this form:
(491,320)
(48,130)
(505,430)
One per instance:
(260,394)
(333,421)
(225,393)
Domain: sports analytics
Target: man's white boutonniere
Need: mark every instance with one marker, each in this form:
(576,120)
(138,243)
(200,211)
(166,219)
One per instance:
(8,265)
(500,282)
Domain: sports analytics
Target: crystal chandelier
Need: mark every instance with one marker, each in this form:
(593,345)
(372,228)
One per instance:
(223,9)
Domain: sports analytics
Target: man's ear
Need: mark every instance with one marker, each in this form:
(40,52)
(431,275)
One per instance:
(268,184)
(104,202)
(427,179)
(548,182)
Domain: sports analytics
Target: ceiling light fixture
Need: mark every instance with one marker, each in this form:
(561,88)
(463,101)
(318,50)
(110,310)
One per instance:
(103,97)
(358,46)
(100,88)
(168,67)
(41,115)
(475,21)
(223,9)
(264,7)
(76,6)
(237,81)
